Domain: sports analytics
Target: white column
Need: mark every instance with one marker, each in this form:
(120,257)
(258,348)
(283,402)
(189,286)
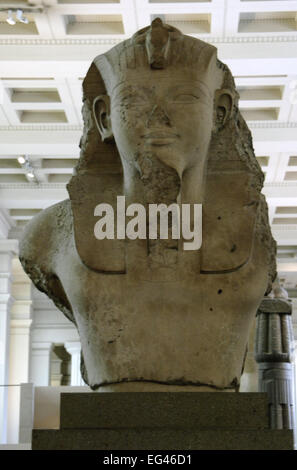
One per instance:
(8,248)
(18,373)
(19,349)
(20,324)
(40,363)
(74,348)
(19,352)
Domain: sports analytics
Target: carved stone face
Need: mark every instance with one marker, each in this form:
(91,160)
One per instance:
(164,113)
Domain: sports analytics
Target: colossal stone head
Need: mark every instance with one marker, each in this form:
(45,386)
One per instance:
(162,93)
(162,125)
(161,87)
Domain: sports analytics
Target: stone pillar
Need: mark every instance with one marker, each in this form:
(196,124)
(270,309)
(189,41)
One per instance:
(56,376)
(19,355)
(8,249)
(74,349)
(18,373)
(40,363)
(26,413)
(274,353)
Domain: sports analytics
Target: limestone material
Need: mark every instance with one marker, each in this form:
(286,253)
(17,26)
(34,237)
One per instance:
(161,125)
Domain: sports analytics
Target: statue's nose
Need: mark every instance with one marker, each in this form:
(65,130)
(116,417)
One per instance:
(158,116)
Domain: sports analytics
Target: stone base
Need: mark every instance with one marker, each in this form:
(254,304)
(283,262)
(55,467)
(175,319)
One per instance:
(163,421)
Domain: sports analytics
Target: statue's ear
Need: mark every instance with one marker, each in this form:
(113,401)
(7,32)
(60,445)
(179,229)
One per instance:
(101,112)
(224,106)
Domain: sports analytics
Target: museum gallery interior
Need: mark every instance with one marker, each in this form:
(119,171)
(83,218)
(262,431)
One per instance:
(148,224)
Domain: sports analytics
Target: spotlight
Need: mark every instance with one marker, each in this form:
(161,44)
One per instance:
(21,160)
(21,18)
(30,175)
(9,18)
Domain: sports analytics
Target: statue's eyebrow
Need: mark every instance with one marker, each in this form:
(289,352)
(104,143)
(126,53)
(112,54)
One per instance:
(119,92)
(199,88)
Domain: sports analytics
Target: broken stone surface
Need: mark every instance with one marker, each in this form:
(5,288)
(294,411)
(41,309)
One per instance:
(161,125)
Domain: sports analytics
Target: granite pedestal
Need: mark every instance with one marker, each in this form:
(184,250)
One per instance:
(163,421)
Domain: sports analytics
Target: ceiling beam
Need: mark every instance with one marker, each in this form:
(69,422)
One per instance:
(66,59)
(31,196)
(41,142)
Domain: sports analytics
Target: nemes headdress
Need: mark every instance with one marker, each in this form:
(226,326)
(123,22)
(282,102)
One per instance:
(159,46)
(156,48)
(231,163)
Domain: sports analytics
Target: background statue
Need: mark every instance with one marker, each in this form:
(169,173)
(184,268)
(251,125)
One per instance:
(161,125)
(274,353)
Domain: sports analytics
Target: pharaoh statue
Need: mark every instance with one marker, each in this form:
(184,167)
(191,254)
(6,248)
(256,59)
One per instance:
(161,126)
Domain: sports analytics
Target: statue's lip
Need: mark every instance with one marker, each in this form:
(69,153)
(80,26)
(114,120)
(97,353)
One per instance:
(160,135)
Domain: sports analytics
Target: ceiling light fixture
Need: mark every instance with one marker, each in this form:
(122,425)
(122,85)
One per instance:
(9,18)
(20,10)
(21,160)
(21,18)
(28,168)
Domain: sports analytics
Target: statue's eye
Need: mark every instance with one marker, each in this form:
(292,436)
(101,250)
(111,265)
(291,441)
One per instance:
(133,99)
(185,98)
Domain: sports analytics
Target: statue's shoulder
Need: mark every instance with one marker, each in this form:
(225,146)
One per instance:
(44,235)
(44,242)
